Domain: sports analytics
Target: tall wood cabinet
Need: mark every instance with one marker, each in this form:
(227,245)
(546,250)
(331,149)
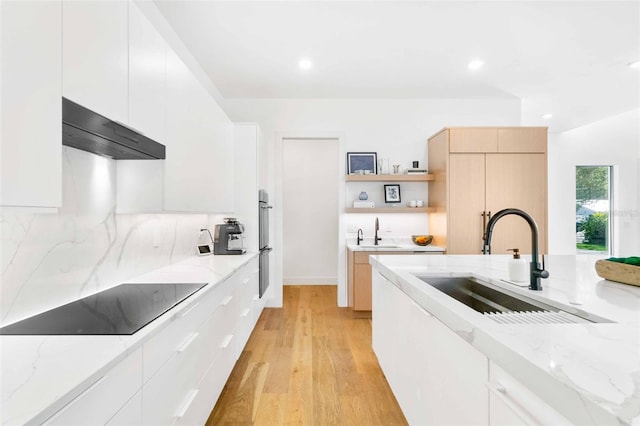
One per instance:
(479,171)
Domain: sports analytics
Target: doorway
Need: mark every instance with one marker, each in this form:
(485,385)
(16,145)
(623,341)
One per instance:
(310,211)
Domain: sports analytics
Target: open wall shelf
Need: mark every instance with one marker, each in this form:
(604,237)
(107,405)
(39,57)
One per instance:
(389,178)
(391,210)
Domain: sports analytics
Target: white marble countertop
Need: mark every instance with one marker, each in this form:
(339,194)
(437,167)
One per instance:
(40,374)
(588,372)
(391,244)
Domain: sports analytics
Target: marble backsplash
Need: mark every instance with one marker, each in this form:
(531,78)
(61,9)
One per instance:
(49,259)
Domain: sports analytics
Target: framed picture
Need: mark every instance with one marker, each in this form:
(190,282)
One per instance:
(361,163)
(392,193)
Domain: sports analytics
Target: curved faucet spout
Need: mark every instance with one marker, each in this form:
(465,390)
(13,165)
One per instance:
(536,272)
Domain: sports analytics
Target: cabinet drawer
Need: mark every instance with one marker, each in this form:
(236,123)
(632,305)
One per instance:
(164,395)
(130,414)
(208,390)
(168,340)
(101,400)
(512,403)
(243,329)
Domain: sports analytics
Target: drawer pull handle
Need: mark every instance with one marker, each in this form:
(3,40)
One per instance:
(226,341)
(185,313)
(245,312)
(187,403)
(501,392)
(226,301)
(187,342)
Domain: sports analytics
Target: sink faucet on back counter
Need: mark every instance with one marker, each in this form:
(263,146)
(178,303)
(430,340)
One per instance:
(375,237)
(536,272)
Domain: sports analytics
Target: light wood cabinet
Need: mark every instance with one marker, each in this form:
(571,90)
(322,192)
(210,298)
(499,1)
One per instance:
(31,110)
(359,276)
(471,184)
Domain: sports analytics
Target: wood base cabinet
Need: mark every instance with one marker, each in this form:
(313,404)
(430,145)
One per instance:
(480,171)
(359,276)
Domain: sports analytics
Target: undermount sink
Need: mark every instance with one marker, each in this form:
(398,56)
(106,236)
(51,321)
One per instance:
(380,246)
(500,305)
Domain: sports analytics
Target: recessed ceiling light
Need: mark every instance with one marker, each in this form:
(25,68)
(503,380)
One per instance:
(635,64)
(305,64)
(547,116)
(476,64)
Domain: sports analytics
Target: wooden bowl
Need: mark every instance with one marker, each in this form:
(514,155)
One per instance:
(422,240)
(618,272)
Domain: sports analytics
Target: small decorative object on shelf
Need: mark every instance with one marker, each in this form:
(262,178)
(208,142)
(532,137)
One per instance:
(383,166)
(396,169)
(363,204)
(363,196)
(422,240)
(362,163)
(392,193)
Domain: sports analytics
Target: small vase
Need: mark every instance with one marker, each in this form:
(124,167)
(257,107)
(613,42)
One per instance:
(363,196)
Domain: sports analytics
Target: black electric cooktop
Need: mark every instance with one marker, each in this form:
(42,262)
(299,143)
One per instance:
(123,309)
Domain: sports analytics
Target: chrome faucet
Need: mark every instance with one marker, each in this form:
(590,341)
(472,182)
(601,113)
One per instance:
(359,236)
(536,272)
(376,238)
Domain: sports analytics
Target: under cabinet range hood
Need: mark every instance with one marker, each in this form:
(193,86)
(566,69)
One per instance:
(86,130)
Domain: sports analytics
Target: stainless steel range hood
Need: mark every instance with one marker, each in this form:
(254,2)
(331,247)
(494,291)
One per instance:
(86,130)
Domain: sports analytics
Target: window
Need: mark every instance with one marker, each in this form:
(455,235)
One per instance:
(593,209)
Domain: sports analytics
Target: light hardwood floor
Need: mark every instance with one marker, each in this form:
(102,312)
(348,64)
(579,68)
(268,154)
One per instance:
(309,363)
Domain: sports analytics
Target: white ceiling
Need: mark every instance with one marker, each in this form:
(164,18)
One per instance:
(568,58)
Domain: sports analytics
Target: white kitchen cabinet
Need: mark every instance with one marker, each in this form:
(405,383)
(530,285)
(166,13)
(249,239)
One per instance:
(199,165)
(511,403)
(31,109)
(130,414)
(431,370)
(147,76)
(247,138)
(95,56)
(186,366)
(105,397)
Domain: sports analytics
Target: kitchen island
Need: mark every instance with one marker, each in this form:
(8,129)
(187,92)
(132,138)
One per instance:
(439,354)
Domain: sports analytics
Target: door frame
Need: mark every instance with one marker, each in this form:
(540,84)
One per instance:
(280,137)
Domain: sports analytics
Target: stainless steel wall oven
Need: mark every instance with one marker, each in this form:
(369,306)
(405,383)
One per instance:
(263,239)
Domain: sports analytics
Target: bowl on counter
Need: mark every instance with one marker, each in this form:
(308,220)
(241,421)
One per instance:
(422,240)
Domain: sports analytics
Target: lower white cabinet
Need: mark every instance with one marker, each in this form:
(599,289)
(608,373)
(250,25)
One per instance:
(184,389)
(103,398)
(177,375)
(431,370)
(130,414)
(511,403)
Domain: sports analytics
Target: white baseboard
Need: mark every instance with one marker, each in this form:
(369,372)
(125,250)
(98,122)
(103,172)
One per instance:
(310,280)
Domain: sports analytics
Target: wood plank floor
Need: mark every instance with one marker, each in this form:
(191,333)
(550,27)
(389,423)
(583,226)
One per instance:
(309,363)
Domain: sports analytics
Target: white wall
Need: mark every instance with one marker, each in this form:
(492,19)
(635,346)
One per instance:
(613,141)
(310,204)
(397,129)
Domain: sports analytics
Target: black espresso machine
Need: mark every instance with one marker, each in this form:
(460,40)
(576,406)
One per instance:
(228,238)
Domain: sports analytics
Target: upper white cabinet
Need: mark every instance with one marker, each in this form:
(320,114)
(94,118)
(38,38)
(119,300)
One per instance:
(95,56)
(31,150)
(247,138)
(199,164)
(147,77)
